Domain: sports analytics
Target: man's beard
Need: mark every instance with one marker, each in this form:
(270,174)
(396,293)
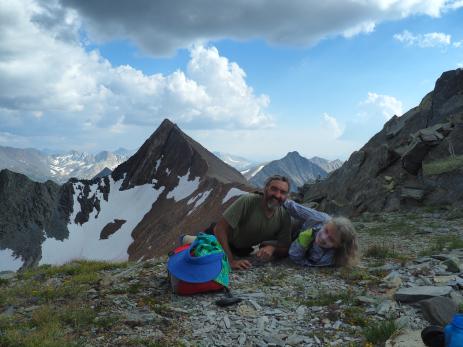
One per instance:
(273,203)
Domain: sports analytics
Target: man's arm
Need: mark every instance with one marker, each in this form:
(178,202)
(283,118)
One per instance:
(221,232)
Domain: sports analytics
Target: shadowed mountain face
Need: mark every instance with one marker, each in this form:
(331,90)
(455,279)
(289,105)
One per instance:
(172,185)
(298,169)
(415,160)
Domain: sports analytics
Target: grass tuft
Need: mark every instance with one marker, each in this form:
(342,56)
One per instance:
(441,242)
(441,166)
(378,333)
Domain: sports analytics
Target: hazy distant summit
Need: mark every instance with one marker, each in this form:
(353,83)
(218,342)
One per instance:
(298,169)
(41,166)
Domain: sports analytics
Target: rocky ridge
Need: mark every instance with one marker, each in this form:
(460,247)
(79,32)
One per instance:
(415,160)
(130,304)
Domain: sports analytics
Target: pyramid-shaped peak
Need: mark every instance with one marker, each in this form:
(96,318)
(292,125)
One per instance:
(169,153)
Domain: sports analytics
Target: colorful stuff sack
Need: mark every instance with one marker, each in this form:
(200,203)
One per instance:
(198,268)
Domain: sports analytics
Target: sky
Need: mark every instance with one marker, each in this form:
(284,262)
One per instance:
(252,78)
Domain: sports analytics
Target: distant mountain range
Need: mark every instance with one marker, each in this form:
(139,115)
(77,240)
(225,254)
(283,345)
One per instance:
(41,166)
(46,165)
(297,168)
(239,163)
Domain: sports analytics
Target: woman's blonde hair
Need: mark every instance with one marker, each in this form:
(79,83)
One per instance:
(347,252)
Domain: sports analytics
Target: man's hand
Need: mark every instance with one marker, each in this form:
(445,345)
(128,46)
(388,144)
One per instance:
(241,264)
(266,252)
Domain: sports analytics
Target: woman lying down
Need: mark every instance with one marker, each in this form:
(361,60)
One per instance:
(322,240)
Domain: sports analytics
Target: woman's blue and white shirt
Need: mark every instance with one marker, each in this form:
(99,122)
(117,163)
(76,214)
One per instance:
(312,219)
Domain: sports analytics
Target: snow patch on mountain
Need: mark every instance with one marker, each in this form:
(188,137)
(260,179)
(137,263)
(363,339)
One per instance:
(84,240)
(8,262)
(231,193)
(256,171)
(184,188)
(198,200)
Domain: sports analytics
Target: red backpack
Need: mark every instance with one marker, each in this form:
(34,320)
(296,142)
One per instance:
(182,287)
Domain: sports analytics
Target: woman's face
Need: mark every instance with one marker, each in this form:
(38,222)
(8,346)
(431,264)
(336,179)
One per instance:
(327,237)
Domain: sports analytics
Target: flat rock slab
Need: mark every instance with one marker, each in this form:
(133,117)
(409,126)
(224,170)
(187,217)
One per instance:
(414,294)
(406,339)
(438,310)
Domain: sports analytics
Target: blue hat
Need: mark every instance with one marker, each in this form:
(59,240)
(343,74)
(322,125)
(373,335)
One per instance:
(193,269)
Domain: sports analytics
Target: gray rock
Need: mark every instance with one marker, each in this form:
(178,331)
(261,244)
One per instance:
(139,318)
(385,307)
(414,294)
(294,340)
(366,300)
(226,320)
(392,280)
(274,340)
(242,339)
(406,339)
(452,264)
(456,297)
(412,193)
(438,310)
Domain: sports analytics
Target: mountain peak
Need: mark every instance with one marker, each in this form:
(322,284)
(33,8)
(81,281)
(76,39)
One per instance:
(170,150)
(293,154)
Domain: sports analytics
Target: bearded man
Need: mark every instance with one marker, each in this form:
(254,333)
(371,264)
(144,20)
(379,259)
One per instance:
(255,219)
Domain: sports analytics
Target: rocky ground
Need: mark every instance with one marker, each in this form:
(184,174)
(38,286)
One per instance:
(406,257)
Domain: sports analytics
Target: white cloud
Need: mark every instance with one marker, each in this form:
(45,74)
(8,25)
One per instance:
(159,27)
(52,86)
(454,5)
(458,44)
(385,105)
(424,40)
(333,126)
(366,27)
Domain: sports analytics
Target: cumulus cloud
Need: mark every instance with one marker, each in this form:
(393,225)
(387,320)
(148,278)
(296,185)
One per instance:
(51,85)
(160,27)
(377,104)
(424,40)
(454,5)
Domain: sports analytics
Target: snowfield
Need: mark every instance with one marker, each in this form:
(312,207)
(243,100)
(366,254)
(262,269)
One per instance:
(84,240)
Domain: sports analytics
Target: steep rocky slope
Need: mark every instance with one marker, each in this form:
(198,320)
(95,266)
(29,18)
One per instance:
(172,185)
(416,159)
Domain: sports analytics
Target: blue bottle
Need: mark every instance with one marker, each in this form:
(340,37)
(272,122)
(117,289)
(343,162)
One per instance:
(454,332)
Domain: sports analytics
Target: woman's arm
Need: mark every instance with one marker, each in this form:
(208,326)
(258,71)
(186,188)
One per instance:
(305,214)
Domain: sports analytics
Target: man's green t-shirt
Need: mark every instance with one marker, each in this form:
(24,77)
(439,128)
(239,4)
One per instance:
(250,226)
